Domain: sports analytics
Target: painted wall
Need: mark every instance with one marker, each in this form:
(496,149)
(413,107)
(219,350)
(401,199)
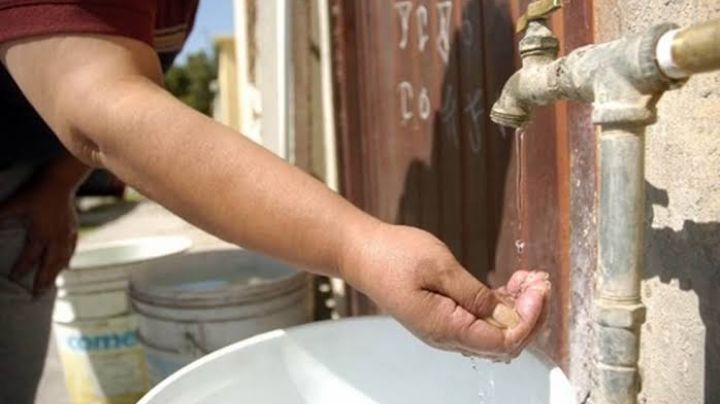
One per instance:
(264,71)
(226,108)
(680,342)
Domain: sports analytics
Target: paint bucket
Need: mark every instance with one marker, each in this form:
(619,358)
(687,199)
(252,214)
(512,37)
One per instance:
(95,331)
(359,360)
(191,305)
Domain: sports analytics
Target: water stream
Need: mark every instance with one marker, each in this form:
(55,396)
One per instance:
(520,190)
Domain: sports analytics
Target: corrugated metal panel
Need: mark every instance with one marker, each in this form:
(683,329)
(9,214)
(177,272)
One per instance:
(416,81)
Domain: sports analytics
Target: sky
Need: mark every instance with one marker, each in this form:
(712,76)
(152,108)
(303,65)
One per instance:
(214,17)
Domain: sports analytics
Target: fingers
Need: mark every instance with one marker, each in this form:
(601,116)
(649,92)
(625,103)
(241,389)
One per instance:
(54,260)
(531,306)
(517,280)
(28,259)
(481,324)
(450,326)
(544,314)
(46,260)
(476,298)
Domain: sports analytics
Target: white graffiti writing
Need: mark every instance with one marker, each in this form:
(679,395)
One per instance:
(407,96)
(448,115)
(476,110)
(468,33)
(421,15)
(403,8)
(444,13)
(424,105)
(443,41)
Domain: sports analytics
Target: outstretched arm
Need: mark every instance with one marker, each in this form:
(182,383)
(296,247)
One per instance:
(102,97)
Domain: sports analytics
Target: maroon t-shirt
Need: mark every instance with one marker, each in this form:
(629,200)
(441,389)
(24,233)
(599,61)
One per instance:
(162,24)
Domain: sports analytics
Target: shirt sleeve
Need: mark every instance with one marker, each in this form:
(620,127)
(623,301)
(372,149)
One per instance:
(21,19)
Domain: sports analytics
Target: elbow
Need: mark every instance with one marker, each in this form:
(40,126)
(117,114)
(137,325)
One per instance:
(90,115)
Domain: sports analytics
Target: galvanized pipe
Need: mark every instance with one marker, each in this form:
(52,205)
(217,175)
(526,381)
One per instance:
(618,311)
(621,212)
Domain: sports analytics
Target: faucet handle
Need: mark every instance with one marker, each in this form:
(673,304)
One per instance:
(537,10)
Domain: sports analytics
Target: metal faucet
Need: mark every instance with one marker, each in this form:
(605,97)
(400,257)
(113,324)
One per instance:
(623,80)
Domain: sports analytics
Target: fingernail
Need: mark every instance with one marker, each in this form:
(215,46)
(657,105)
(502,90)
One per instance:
(545,287)
(505,316)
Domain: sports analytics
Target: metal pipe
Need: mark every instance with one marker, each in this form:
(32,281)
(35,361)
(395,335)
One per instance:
(624,80)
(682,53)
(618,311)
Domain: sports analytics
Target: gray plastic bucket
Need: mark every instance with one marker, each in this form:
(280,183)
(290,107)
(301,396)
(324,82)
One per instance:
(195,304)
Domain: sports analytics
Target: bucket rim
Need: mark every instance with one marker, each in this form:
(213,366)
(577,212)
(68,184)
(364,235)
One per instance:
(164,284)
(176,245)
(232,294)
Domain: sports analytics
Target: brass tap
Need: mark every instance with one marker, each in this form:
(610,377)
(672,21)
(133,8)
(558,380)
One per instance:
(697,49)
(537,10)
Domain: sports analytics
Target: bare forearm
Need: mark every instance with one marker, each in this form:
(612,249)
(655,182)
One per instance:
(100,95)
(218,179)
(108,110)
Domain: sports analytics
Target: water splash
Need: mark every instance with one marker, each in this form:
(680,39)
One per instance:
(486,382)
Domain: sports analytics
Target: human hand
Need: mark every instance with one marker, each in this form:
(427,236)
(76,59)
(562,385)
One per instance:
(48,215)
(413,276)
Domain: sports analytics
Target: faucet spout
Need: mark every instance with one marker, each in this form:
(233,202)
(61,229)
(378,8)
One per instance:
(530,85)
(510,110)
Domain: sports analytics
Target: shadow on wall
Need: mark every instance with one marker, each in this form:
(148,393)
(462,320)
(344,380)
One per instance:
(691,259)
(463,182)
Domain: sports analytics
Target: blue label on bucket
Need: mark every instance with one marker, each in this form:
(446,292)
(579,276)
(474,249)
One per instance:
(103,342)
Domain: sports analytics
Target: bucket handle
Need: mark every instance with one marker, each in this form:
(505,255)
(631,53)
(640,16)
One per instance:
(190,339)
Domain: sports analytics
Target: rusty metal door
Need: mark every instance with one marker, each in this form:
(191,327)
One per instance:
(415,82)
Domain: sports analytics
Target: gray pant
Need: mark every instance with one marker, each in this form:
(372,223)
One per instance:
(24,319)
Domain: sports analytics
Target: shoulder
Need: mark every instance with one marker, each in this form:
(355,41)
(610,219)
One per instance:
(162,24)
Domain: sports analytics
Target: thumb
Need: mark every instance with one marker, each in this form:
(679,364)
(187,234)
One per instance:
(478,299)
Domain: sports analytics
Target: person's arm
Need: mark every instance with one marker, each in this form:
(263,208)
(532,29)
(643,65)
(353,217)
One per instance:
(45,207)
(102,97)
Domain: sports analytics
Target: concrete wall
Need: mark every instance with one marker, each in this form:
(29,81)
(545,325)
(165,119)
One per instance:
(680,343)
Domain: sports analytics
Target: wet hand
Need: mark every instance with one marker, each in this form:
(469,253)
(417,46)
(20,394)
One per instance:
(413,276)
(48,215)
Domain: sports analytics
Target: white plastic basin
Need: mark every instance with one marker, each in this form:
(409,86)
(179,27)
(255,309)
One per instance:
(363,360)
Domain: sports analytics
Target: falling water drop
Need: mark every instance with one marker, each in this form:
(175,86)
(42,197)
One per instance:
(486,382)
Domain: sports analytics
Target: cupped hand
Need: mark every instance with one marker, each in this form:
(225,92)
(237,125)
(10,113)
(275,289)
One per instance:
(414,277)
(48,215)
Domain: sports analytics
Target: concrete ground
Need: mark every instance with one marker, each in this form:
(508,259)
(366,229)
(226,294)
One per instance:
(116,221)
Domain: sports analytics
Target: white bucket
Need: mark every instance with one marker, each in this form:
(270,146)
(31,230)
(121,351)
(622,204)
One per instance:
(191,305)
(362,360)
(95,332)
